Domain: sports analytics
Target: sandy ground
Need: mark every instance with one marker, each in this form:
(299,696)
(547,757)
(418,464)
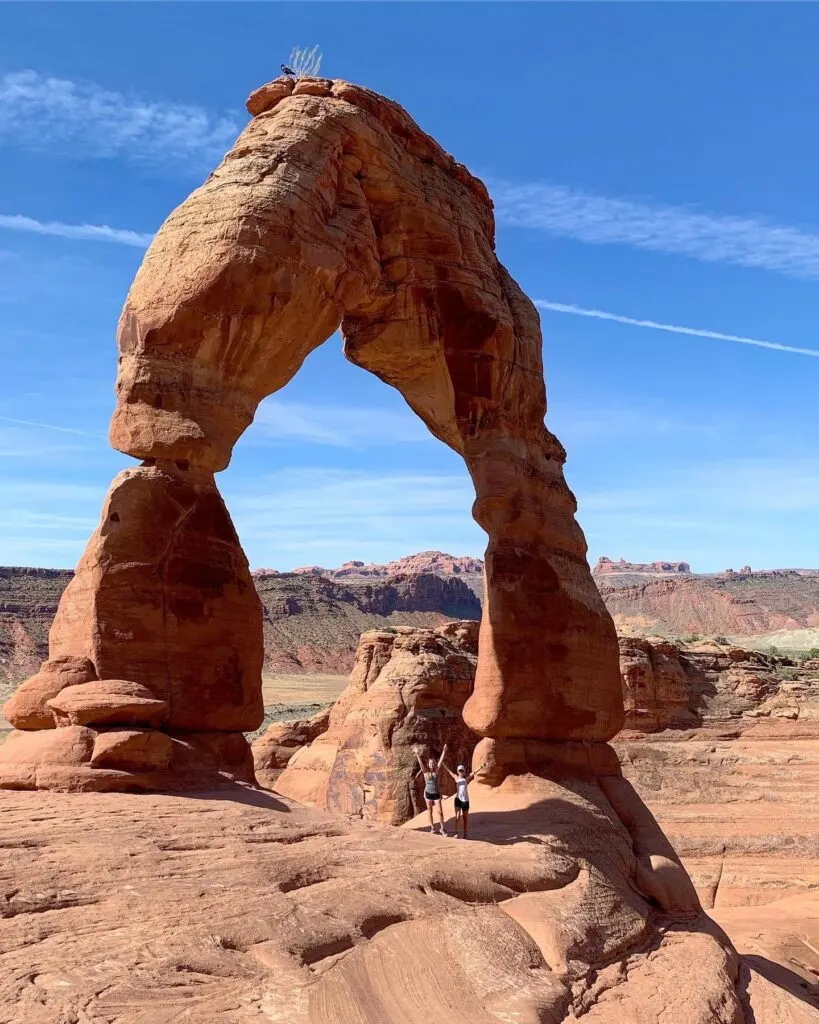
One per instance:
(302,689)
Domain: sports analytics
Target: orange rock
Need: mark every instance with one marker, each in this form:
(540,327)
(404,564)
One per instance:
(666,686)
(408,688)
(108,702)
(163,597)
(274,748)
(292,236)
(132,750)
(201,756)
(70,746)
(28,707)
(267,96)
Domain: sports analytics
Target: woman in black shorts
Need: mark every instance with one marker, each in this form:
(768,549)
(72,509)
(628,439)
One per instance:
(432,786)
(462,796)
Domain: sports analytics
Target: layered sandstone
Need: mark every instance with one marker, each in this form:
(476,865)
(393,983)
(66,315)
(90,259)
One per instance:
(407,689)
(606,567)
(313,617)
(732,606)
(312,623)
(281,740)
(425,563)
(666,686)
(332,209)
(731,771)
(158,628)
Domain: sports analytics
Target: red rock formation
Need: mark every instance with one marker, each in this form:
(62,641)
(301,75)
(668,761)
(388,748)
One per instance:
(717,605)
(390,238)
(281,740)
(605,566)
(407,688)
(669,687)
(436,562)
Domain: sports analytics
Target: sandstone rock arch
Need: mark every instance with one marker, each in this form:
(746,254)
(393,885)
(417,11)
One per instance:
(332,209)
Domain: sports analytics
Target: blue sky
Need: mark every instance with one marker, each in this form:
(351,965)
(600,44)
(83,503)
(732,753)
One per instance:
(655,162)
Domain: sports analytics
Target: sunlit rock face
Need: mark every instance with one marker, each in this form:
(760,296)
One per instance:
(332,209)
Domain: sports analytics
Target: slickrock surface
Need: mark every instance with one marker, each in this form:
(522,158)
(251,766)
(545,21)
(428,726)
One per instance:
(236,905)
(738,794)
(407,688)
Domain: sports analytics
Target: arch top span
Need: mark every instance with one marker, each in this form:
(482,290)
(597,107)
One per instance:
(334,209)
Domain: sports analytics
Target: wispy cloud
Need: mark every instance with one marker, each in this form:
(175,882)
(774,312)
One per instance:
(598,314)
(83,118)
(659,227)
(339,426)
(84,232)
(331,515)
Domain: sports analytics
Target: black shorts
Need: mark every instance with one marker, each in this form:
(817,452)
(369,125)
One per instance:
(462,805)
(432,798)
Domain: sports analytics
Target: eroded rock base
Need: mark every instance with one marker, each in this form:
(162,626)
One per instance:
(80,758)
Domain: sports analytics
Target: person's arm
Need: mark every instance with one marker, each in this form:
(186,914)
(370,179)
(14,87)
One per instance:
(477,771)
(418,759)
(441,758)
(450,773)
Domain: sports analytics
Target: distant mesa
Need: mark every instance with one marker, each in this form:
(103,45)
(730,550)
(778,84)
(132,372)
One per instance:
(425,561)
(606,566)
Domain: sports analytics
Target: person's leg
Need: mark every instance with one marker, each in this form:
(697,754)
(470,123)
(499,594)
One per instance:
(430,805)
(457,817)
(465,817)
(441,813)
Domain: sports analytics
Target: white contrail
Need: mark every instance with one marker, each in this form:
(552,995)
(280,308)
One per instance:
(48,426)
(598,314)
(85,232)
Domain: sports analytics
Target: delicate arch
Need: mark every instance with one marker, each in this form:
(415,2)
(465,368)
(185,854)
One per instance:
(333,208)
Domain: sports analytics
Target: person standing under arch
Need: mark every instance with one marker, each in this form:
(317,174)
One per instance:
(432,787)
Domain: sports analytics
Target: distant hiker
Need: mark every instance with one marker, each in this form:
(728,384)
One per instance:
(462,779)
(287,71)
(432,787)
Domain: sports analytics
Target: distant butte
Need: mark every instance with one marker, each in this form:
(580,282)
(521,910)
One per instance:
(606,565)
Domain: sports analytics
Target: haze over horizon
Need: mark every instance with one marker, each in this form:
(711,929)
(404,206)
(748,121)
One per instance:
(654,196)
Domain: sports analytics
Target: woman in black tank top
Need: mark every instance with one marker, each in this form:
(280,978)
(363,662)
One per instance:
(432,786)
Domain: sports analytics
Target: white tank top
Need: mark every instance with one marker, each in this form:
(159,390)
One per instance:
(463,792)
